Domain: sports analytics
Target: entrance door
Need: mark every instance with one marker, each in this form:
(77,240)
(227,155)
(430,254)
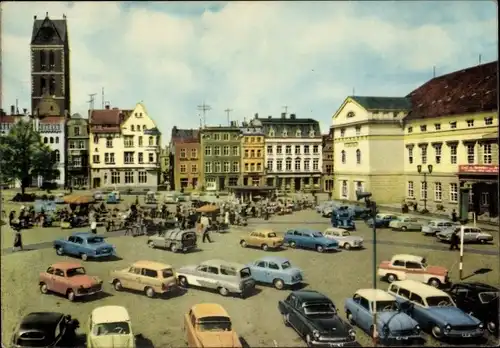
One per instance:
(222,183)
(297,184)
(96,182)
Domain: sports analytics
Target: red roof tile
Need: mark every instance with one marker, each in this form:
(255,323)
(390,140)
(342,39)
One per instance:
(461,92)
(102,117)
(52,120)
(7,119)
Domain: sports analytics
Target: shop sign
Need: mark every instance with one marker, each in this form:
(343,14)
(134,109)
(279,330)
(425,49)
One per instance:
(478,169)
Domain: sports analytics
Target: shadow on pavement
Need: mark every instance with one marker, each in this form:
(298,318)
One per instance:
(143,342)
(244,342)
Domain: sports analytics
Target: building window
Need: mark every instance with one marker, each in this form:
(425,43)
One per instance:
(438,191)
(109,142)
(76,131)
(423,152)
(288,165)
(358,130)
(252,139)
(115,177)
(453,125)
(410,129)
(437,126)
(57,156)
(247,153)
(57,140)
(437,148)
(470,123)
(252,153)
(109,158)
(259,154)
(236,151)
(343,157)
(51,140)
(236,167)
(315,164)
(285,133)
(359,186)
(315,149)
(81,144)
(151,157)
(453,154)
(208,167)
(344,189)
(227,167)
(143,177)
(271,133)
(140,158)
(52,86)
(470,153)
(270,165)
(279,165)
(208,151)
(342,132)
(259,167)
(95,159)
(43,60)
(454,193)
(129,177)
(410,155)
(358,156)
(269,150)
(194,153)
(487,154)
(194,168)
(307,165)
(52,60)
(45,140)
(488,121)
(298,133)
(252,167)
(150,141)
(297,149)
(140,140)
(297,164)
(225,150)
(217,136)
(216,150)
(288,150)
(128,141)
(217,167)
(411,190)
(423,128)
(485,198)
(183,153)
(71,144)
(132,128)
(128,157)
(182,168)
(306,149)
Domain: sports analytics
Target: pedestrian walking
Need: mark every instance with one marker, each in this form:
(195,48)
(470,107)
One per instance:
(205,224)
(454,216)
(18,240)
(93,227)
(454,241)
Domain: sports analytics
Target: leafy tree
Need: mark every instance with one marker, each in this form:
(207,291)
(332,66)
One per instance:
(23,156)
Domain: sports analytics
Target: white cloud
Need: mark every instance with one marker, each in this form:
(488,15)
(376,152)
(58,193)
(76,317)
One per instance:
(249,56)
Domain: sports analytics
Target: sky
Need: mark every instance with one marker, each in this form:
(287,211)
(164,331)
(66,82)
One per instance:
(250,57)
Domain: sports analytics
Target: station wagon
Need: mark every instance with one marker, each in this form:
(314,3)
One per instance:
(435,226)
(405,223)
(110,326)
(174,240)
(309,239)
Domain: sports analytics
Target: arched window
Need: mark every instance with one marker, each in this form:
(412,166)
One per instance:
(151,141)
(43,85)
(43,61)
(57,140)
(52,86)
(57,156)
(342,154)
(344,189)
(132,128)
(358,156)
(157,140)
(298,133)
(45,140)
(52,60)
(143,127)
(138,127)
(51,140)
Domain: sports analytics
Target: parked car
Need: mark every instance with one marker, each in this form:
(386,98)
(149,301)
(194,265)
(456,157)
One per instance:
(315,318)
(59,199)
(110,326)
(344,238)
(392,323)
(435,311)
(262,238)
(309,239)
(69,279)
(149,277)
(277,271)
(45,329)
(84,245)
(223,276)
(174,240)
(209,325)
(435,226)
(479,300)
(471,235)
(344,221)
(98,195)
(404,266)
(381,220)
(405,223)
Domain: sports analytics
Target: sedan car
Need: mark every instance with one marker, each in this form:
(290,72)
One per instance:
(381,220)
(405,223)
(435,226)
(110,326)
(344,238)
(84,245)
(309,239)
(277,271)
(262,238)
(471,235)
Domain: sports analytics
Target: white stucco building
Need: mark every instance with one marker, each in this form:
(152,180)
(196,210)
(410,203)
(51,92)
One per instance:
(53,133)
(293,152)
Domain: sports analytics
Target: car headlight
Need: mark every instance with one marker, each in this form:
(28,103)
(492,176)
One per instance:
(417,329)
(447,328)
(316,333)
(481,326)
(352,333)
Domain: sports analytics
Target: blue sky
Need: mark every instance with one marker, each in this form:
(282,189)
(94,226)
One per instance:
(249,57)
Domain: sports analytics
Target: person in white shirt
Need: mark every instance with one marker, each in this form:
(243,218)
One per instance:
(205,224)
(93,227)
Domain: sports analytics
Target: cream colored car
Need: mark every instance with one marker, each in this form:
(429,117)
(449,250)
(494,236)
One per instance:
(110,327)
(149,277)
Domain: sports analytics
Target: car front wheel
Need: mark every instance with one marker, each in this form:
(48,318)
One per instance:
(43,288)
(70,295)
(243,244)
(292,244)
(278,284)
(350,317)
(437,332)
(59,251)
(434,282)
(319,248)
(117,285)
(404,228)
(183,282)
(391,278)
(347,246)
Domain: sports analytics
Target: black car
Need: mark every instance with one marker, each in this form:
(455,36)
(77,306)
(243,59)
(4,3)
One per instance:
(46,329)
(315,318)
(480,300)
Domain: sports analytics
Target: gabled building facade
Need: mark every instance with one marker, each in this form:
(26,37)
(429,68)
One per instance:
(185,147)
(293,153)
(252,153)
(78,166)
(327,144)
(165,167)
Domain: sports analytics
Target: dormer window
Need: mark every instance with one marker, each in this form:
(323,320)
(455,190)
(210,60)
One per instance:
(342,132)
(132,128)
(271,133)
(470,123)
(453,125)
(350,114)
(298,133)
(285,133)
(423,128)
(312,133)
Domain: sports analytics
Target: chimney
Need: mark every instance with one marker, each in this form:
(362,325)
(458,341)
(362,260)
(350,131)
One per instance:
(283,115)
(12,109)
(34,17)
(256,116)
(269,117)
(107,107)
(292,116)
(25,111)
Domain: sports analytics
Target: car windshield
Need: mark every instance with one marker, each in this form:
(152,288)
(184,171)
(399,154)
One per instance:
(271,235)
(439,301)
(285,265)
(245,272)
(118,328)
(167,272)
(216,324)
(317,234)
(75,272)
(320,309)
(386,306)
(346,234)
(95,240)
(487,297)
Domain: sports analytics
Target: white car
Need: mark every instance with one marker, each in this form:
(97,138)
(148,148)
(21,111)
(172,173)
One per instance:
(471,235)
(344,238)
(110,327)
(436,226)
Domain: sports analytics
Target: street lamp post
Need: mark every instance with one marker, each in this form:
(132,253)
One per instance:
(419,169)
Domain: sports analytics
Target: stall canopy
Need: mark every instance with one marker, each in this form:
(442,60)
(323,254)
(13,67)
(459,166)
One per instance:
(79,199)
(209,208)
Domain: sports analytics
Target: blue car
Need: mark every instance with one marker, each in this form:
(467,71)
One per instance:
(392,323)
(84,245)
(381,220)
(309,239)
(277,271)
(343,220)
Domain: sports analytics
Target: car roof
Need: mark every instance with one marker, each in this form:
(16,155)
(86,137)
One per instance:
(440,220)
(420,288)
(109,314)
(478,286)
(375,295)
(408,257)
(201,310)
(65,265)
(263,230)
(276,259)
(217,263)
(151,265)
(310,295)
(305,230)
(40,320)
(82,234)
(336,229)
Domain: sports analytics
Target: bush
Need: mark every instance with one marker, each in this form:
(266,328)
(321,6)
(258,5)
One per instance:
(424,211)
(439,207)
(27,197)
